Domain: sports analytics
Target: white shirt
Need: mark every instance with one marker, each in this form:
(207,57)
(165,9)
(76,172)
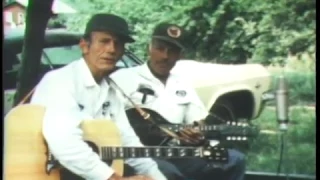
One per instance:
(70,95)
(176,101)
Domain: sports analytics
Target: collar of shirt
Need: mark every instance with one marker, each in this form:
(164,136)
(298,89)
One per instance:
(99,92)
(145,72)
(87,75)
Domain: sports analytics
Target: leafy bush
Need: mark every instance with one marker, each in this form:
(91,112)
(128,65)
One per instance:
(302,86)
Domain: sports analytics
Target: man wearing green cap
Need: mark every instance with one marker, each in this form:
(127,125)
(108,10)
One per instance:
(81,90)
(177,102)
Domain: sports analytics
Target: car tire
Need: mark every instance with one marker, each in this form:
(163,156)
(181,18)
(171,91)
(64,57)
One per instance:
(223,109)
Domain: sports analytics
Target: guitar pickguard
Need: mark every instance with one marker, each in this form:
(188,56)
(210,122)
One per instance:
(149,133)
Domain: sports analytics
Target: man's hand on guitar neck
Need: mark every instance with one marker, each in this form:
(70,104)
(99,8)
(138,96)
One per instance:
(199,123)
(136,177)
(192,135)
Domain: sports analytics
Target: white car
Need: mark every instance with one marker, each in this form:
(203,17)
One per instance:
(231,91)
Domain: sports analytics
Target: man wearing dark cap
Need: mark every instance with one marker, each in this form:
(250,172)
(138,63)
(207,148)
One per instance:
(82,91)
(177,102)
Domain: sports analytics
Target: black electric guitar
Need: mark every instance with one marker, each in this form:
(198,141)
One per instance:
(150,134)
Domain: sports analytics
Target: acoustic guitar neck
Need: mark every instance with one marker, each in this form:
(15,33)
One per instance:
(215,153)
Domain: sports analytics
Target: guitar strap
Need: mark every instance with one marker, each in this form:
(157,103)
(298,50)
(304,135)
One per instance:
(25,98)
(144,114)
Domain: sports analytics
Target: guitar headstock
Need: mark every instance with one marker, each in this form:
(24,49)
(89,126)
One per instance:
(237,124)
(232,132)
(235,138)
(214,152)
(238,131)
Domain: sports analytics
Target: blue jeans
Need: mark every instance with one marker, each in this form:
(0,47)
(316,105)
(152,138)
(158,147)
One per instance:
(201,169)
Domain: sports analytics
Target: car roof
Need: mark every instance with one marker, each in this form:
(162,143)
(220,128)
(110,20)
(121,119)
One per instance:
(14,38)
(13,41)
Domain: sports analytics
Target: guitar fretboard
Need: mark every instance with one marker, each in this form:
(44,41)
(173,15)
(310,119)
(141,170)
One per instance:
(203,128)
(218,154)
(163,152)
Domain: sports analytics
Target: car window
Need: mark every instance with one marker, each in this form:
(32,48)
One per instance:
(59,55)
(130,61)
(63,55)
(9,75)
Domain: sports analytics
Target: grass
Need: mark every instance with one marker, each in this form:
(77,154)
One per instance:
(264,151)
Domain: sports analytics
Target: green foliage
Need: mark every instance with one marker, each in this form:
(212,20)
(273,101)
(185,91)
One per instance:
(55,22)
(223,31)
(299,154)
(302,86)
(141,15)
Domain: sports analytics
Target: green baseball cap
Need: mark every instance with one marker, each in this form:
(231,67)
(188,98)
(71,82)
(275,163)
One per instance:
(171,33)
(109,23)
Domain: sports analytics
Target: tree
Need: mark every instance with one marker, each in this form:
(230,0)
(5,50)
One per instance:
(222,31)
(37,15)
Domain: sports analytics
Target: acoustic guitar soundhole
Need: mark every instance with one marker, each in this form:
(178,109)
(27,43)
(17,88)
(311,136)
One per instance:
(67,175)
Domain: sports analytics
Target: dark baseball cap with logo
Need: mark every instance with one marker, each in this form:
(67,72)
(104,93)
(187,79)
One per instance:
(109,23)
(171,33)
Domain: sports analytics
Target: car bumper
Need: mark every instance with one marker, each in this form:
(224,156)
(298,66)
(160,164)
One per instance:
(265,97)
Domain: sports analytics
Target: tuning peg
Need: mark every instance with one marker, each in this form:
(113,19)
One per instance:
(207,153)
(213,143)
(268,132)
(229,138)
(236,138)
(221,148)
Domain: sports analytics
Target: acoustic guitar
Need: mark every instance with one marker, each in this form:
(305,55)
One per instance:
(26,155)
(150,134)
